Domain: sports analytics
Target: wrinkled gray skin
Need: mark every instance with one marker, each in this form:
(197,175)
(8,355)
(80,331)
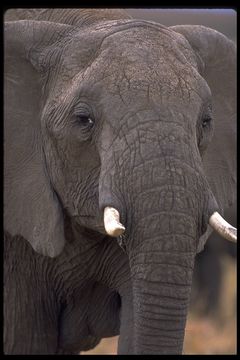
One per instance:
(104,110)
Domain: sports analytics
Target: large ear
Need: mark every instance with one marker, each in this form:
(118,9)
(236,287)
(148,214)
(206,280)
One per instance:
(217,59)
(31,207)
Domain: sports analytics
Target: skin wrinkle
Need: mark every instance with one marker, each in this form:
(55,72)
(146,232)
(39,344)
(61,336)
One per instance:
(184,266)
(153,275)
(170,316)
(150,162)
(89,256)
(165,247)
(181,81)
(168,122)
(122,132)
(172,331)
(167,297)
(178,235)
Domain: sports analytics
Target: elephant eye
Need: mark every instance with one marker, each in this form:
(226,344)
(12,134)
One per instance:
(207,118)
(85,121)
(206,121)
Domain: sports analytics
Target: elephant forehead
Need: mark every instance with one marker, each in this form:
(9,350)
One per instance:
(141,60)
(125,71)
(149,45)
(138,44)
(141,56)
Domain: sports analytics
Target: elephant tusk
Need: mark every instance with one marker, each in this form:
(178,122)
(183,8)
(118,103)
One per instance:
(111,222)
(222,227)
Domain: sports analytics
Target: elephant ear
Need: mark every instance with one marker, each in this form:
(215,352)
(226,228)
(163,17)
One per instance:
(31,207)
(217,62)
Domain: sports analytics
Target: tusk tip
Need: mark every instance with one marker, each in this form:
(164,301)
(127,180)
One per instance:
(116,231)
(233,234)
(223,227)
(112,224)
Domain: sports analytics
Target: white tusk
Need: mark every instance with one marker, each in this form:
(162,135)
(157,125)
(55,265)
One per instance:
(222,227)
(112,222)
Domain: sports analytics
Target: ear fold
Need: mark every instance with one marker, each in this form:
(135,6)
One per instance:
(31,207)
(217,58)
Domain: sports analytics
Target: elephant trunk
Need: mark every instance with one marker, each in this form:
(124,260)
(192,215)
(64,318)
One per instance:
(162,249)
(164,203)
(161,292)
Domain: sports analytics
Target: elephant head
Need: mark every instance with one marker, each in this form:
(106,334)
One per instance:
(128,128)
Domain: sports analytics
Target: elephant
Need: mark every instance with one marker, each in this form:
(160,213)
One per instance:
(119,160)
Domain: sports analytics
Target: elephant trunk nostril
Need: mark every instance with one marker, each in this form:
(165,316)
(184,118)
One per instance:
(112,223)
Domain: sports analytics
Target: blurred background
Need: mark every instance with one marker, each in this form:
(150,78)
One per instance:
(223,20)
(211,324)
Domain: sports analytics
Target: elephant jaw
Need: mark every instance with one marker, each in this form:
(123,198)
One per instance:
(222,227)
(114,228)
(112,223)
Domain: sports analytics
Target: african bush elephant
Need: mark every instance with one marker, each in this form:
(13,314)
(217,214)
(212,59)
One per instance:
(114,169)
